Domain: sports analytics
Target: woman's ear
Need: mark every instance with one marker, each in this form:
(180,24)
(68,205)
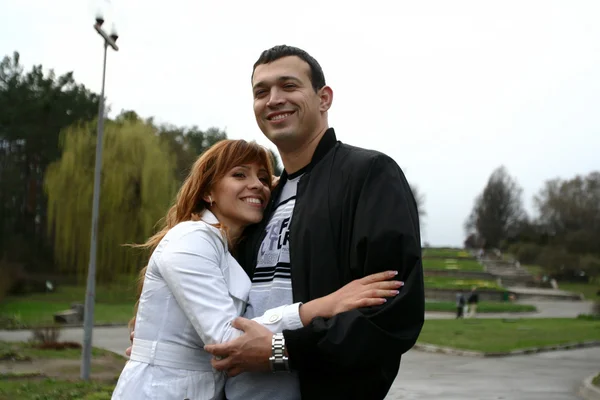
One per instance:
(208,199)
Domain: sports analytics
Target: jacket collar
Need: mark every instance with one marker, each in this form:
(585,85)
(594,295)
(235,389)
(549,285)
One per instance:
(208,217)
(211,220)
(327,142)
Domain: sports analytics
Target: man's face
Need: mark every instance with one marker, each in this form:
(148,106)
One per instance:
(286,107)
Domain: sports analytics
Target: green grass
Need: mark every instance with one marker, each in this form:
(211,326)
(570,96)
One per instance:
(452,264)
(24,350)
(66,384)
(114,304)
(51,389)
(596,380)
(448,282)
(482,307)
(534,270)
(589,290)
(446,253)
(498,335)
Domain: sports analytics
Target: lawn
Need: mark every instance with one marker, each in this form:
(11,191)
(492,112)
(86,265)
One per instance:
(452,264)
(446,253)
(482,307)
(448,282)
(52,389)
(30,373)
(589,290)
(114,304)
(534,270)
(499,335)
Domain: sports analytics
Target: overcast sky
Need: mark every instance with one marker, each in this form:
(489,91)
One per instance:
(449,89)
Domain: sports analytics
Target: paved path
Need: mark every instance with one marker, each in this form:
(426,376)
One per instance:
(427,376)
(545,309)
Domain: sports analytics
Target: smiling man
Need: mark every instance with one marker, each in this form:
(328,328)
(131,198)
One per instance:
(339,213)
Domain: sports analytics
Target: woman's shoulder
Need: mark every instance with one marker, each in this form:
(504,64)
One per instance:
(194,230)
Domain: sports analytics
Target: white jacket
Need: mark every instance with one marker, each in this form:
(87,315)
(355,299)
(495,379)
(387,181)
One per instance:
(193,290)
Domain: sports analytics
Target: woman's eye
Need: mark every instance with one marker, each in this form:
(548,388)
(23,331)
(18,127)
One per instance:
(239,175)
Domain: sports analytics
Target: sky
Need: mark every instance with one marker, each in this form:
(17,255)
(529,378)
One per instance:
(450,90)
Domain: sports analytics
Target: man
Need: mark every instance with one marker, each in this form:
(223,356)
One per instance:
(338,213)
(460,304)
(473,301)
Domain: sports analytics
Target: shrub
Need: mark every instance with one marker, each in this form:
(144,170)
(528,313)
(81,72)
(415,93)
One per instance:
(46,335)
(526,253)
(559,263)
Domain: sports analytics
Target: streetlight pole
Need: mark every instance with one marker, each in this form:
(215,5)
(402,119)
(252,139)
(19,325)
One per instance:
(90,294)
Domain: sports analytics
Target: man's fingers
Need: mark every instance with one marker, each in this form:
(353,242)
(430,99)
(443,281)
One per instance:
(221,350)
(234,371)
(221,365)
(128,352)
(242,324)
(131,336)
(380,276)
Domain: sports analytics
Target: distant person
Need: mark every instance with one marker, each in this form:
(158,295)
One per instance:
(473,301)
(460,304)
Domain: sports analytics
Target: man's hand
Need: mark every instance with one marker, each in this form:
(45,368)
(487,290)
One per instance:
(249,352)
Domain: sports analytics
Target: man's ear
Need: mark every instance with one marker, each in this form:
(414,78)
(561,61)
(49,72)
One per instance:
(326,97)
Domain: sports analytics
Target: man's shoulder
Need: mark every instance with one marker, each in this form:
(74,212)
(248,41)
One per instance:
(360,158)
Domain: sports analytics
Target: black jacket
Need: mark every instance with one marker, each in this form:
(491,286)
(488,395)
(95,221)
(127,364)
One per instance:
(354,215)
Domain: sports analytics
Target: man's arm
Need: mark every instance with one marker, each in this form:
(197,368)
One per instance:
(385,236)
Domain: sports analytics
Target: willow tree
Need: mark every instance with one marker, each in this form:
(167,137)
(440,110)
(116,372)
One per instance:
(138,183)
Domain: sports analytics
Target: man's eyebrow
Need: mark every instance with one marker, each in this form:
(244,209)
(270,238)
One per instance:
(279,79)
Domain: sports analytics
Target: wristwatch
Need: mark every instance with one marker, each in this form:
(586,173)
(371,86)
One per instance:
(278,359)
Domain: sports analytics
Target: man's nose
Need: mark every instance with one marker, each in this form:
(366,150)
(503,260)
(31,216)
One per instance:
(275,98)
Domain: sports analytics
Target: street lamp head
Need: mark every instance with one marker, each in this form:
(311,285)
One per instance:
(114,36)
(99,20)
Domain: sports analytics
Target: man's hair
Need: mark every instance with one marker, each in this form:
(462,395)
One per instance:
(317,78)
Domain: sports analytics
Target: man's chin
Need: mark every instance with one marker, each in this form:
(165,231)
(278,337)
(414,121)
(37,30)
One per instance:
(282,137)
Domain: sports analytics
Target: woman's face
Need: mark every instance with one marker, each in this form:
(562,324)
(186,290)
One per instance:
(240,197)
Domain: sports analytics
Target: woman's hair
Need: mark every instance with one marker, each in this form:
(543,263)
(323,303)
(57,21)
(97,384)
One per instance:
(208,169)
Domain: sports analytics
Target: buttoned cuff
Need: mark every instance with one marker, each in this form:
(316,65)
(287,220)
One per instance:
(283,318)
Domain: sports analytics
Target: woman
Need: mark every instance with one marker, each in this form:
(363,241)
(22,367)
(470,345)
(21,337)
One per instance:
(193,288)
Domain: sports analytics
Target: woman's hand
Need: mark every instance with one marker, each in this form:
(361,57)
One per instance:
(371,290)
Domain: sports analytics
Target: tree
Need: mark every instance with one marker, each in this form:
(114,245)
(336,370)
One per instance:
(35,107)
(498,210)
(138,184)
(277,169)
(570,211)
(420,200)
(569,214)
(188,144)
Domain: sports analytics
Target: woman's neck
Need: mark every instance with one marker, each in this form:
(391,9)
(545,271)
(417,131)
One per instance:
(233,231)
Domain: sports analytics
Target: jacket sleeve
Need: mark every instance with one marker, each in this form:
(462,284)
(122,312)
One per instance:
(190,267)
(385,236)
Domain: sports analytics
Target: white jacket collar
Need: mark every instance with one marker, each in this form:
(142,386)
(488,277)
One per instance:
(208,217)
(211,219)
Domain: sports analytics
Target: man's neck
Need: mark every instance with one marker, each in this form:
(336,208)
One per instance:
(300,157)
